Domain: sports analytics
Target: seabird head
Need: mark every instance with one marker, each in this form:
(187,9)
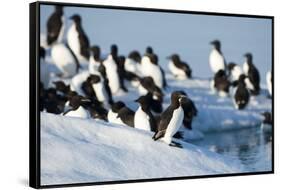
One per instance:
(249,57)
(216,44)
(135,55)
(174,58)
(231,65)
(176,97)
(114,50)
(93,79)
(149,50)
(76,18)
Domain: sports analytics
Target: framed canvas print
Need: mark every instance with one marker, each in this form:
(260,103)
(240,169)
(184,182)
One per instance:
(121,94)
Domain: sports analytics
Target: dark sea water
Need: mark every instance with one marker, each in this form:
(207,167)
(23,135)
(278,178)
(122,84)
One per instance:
(252,146)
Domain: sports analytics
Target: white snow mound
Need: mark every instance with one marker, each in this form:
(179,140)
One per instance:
(76,150)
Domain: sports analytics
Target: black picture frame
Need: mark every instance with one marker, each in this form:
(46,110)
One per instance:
(34,113)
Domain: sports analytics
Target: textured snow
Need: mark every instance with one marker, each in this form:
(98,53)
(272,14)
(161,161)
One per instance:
(75,150)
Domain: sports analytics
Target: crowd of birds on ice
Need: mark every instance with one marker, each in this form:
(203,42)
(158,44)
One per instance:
(91,90)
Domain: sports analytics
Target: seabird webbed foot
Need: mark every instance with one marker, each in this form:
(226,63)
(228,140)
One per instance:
(175,144)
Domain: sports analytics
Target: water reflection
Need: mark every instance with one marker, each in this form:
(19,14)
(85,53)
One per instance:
(252,146)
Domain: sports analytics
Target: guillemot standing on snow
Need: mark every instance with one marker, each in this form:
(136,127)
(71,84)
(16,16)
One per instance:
(171,120)
(111,71)
(252,73)
(65,60)
(179,68)
(113,112)
(269,82)
(77,39)
(216,59)
(241,94)
(143,118)
(55,26)
(74,107)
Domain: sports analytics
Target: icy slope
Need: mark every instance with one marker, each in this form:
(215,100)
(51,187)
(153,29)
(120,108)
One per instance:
(76,150)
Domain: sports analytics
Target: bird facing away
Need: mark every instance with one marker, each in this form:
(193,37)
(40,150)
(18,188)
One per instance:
(241,95)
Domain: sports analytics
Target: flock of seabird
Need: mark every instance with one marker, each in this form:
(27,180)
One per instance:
(92,89)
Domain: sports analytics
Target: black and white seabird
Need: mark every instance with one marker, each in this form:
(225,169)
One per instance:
(94,60)
(132,63)
(99,89)
(55,26)
(234,71)
(178,68)
(65,60)
(147,85)
(216,58)
(143,118)
(252,73)
(221,83)
(150,67)
(111,70)
(78,40)
(269,82)
(171,120)
(75,107)
(113,112)
(149,50)
(241,94)
(127,116)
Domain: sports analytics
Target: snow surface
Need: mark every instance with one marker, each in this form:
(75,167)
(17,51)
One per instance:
(75,150)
